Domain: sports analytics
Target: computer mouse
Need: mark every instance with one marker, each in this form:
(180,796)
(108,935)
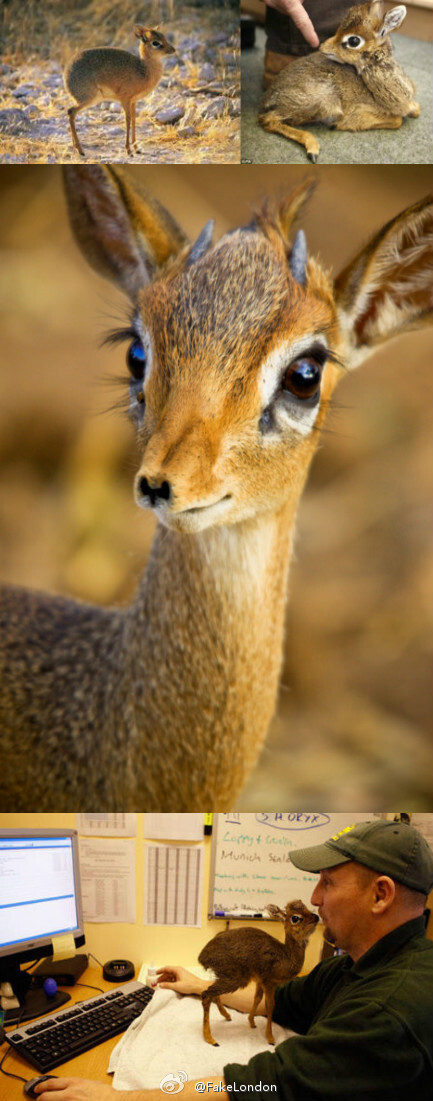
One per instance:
(29,1087)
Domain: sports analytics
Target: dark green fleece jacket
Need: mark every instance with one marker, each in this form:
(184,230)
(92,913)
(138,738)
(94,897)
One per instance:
(365,1029)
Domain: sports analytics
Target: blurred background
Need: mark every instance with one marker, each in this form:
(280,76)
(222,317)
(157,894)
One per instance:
(354,712)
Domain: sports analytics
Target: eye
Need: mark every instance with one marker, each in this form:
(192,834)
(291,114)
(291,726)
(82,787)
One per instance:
(156,44)
(354,41)
(295,919)
(303,377)
(136,359)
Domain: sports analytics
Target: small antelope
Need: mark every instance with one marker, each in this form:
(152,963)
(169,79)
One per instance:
(106,73)
(233,353)
(240,956)
(352,83)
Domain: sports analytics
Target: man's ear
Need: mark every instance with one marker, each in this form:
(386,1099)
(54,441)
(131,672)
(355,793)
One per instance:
(384,893)
(388,287)
(123,232)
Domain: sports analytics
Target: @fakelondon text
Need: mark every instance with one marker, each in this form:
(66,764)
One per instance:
(244,1087)
(174,1083)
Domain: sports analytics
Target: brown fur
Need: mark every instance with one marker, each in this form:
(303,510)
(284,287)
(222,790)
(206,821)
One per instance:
(241,956)
(107,73)
(342,87)
(167,703)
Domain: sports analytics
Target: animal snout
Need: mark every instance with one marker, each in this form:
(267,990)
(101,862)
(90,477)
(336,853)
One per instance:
(150,494)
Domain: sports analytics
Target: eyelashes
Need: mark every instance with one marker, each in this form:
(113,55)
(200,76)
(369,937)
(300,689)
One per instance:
(136,362)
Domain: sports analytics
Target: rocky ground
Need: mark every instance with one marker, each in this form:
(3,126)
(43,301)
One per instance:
(193,115)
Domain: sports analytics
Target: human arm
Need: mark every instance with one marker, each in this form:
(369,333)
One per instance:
(301,19)
(172,977)
(82,1089)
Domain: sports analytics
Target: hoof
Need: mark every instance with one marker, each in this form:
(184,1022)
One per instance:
(312,157)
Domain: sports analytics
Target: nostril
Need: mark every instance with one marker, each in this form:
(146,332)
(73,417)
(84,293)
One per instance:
(154,493)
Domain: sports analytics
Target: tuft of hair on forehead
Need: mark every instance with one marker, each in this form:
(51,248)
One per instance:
(276,216)
(363,16)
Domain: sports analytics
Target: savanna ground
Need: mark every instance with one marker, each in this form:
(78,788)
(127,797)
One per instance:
(353,726)
(192,116)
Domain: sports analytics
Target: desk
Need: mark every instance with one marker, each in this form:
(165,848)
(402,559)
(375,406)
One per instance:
(91,1064)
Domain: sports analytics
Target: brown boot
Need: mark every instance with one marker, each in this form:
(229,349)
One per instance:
(274,63)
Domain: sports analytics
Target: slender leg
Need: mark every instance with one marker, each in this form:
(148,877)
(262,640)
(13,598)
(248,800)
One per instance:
(368,118)
(213,994)
(222,1009)
(207,1035)
(127,110)
(257,998)
(72,111)
(133,137)
(272,121)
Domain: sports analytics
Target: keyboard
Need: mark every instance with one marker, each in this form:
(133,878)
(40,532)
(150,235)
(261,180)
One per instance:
(55,1039)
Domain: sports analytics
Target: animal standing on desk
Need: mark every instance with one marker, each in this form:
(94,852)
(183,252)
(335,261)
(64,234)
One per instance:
(233,353)
(352,83)
(241,956)
(105,73)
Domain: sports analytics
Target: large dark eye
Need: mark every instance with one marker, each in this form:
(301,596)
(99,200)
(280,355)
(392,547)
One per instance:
(302,378)
(354,41)
(156,44)
(295,918)
(136,359)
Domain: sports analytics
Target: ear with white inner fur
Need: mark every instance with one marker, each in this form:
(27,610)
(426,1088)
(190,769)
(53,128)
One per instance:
(387,288)
(392,20)
(123,232)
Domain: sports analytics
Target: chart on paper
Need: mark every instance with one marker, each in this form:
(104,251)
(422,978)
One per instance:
(173,884)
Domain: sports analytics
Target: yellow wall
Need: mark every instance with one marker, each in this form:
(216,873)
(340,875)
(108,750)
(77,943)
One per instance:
(143,943)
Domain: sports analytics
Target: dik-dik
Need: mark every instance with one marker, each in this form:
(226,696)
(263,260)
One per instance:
(241,956)
(105,73)
(352,83)
(233,353)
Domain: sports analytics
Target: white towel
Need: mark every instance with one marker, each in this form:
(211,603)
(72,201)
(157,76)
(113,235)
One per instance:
(167,1040)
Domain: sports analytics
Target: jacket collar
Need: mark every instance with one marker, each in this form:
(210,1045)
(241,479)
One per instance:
(387,946)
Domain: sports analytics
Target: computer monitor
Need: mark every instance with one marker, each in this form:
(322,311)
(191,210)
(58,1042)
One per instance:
(40,899)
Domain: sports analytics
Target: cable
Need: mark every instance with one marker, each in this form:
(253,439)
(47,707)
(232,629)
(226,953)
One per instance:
(94,958)
(87,987)
(8,1073)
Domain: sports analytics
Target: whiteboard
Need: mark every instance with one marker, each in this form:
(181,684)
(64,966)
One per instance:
(250,864)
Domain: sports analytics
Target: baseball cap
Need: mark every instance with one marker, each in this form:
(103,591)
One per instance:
(391,848)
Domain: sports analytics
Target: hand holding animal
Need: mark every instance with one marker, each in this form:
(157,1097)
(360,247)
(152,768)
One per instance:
(240,956)
(352,83)
(233,353)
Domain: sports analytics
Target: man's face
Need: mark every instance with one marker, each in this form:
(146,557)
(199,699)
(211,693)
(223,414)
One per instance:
(343,896)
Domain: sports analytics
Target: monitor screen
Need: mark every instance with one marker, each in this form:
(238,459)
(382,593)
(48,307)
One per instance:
(40,894)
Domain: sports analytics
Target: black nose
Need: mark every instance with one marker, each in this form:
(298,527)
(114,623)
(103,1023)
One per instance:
(154,493)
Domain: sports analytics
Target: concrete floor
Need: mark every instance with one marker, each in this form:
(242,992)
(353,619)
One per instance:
(412,144)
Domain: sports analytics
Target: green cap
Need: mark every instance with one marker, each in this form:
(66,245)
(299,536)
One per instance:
(391,848)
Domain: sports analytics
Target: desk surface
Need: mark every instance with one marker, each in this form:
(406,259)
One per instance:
(91,1064)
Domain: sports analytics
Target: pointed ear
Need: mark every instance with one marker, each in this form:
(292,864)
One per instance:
(387,288)
(392,20)
(123,232)
(275,912)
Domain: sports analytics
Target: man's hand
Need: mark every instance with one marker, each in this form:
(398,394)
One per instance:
(77,1089)
(300,18)
(180,980)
